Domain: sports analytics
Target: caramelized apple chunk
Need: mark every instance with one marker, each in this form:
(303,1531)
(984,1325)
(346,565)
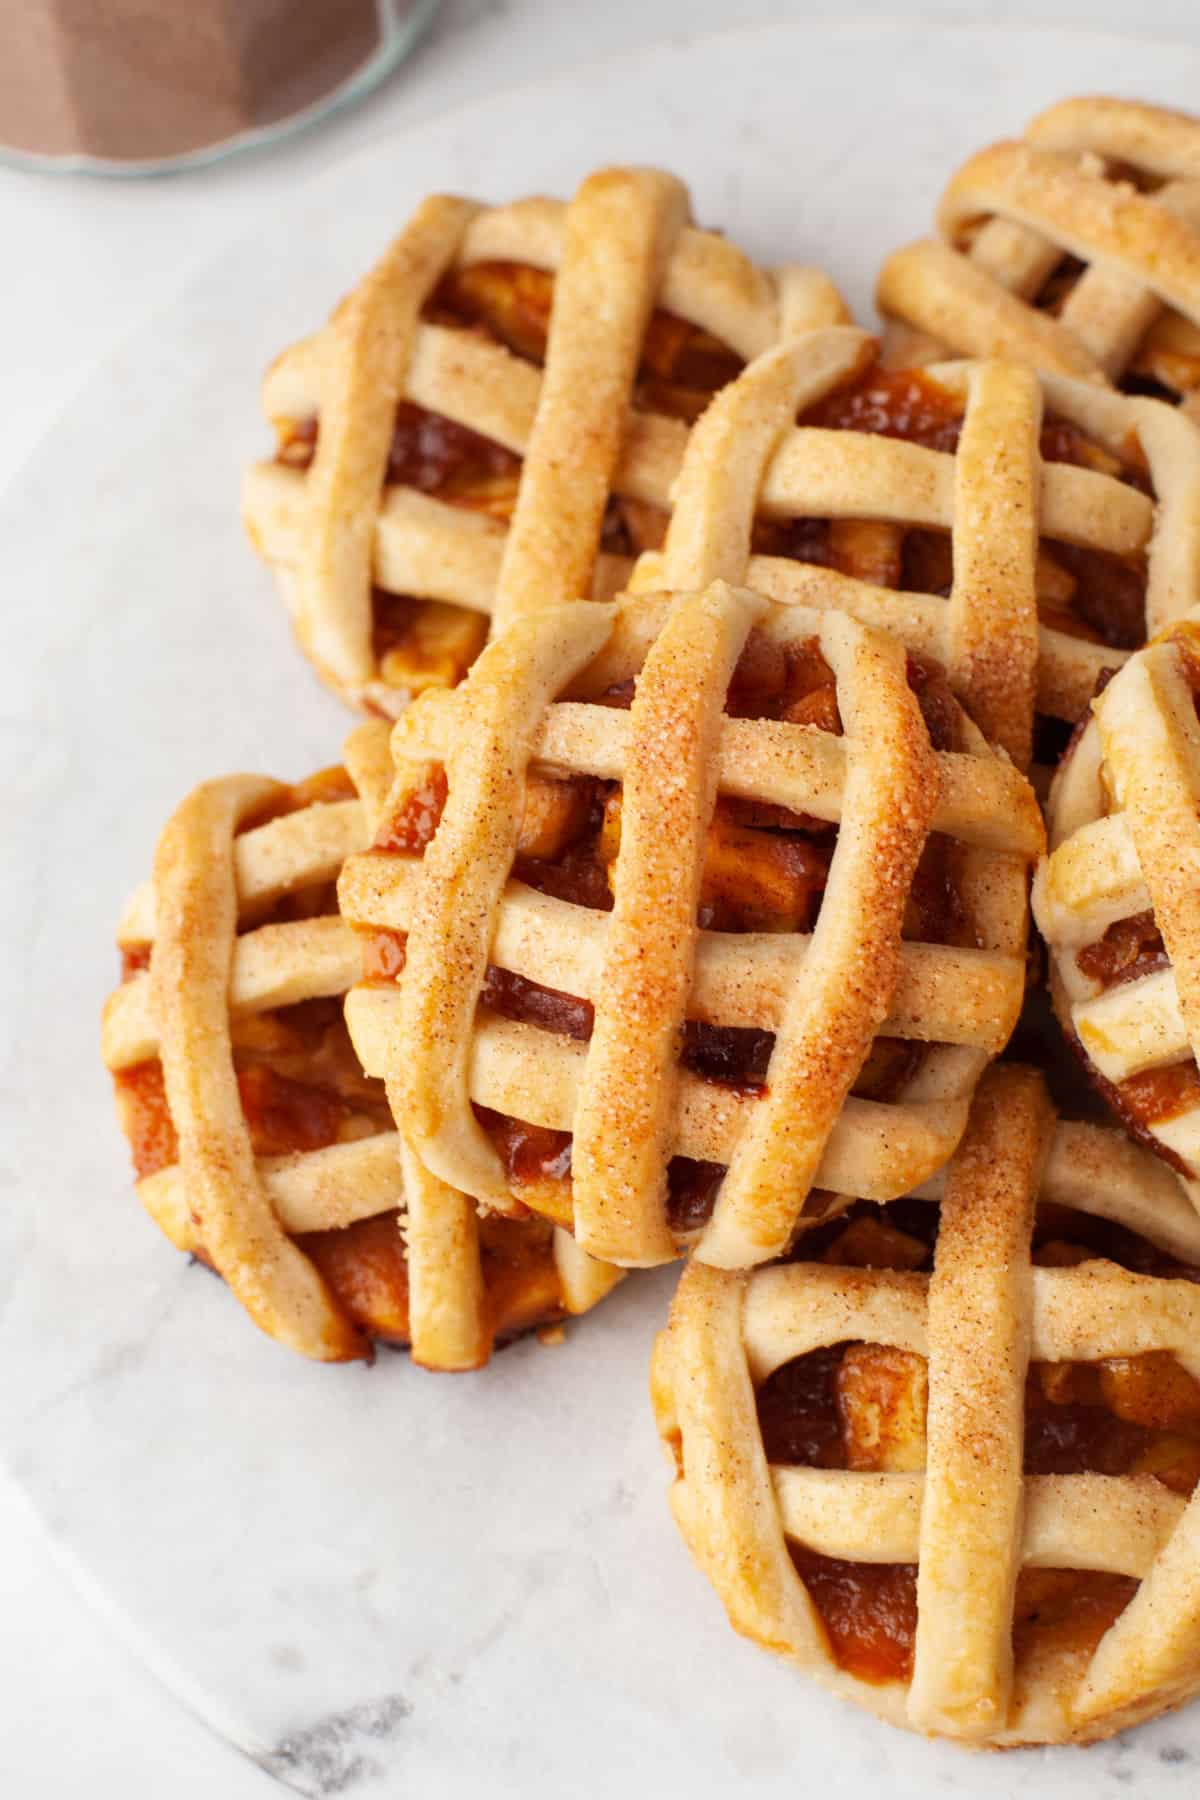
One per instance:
(882,1394)
(556,813)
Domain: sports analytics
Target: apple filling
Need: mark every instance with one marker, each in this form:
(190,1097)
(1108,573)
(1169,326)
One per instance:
(863,1407)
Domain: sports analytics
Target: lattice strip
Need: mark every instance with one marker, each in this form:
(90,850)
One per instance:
(493,392)
(629,1091)
(296,850)
(945,994)
(818,473)
(190,972)
(980,801)
(464,872)
(277,965)
(1134,1026)
(951,299)
(1096,1309)
(1155,138)
(1110,313)
(448,1307)
(1144,857)
(979,1331)
(1091,879)
(421,545)
(320,1191)
(1095,1169)
(993,631)
(360,391)
(876,1518)
(707,279)
(620,231)
(1068,668)
(726,1508)
(833,1015)
(1155,1644)
(1126,860)
(1151,740)
(1173,447)
(367,754)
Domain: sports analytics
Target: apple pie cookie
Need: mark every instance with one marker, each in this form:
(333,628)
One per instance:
(1118,900)
(685,913)
(1026,532)
(259,1144)
(947,1464)
(1076,249)
(472,424)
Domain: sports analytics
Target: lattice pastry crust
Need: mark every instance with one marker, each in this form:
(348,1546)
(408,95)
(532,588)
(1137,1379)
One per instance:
(236,927)
(945,1490)
(1118,899)
(645,967)
(594,429)
(1005,510)
(1076,249)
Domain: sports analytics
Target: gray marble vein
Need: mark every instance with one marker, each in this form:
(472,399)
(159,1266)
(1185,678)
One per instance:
(339,1754)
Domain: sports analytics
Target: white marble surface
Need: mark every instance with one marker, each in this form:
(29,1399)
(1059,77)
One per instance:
(285,1545)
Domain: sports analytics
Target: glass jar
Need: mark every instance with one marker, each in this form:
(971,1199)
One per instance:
(138,86)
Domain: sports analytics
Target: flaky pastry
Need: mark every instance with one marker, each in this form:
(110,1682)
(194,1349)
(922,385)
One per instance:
(686,909)
(1118,899)
(260,1145)
(430,474)
(1076,249)
(961,1495)
(992,519)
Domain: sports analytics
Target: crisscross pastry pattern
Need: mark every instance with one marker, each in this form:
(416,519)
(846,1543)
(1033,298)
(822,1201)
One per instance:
(1033,1580)
(1118,900)
(601,1027)
(430,475)
(1076,249)
(261,1145)
(992,519)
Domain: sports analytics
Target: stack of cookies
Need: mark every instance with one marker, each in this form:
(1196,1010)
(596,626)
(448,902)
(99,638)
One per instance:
(729,676)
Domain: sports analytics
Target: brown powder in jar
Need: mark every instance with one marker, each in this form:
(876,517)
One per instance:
(135,80)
